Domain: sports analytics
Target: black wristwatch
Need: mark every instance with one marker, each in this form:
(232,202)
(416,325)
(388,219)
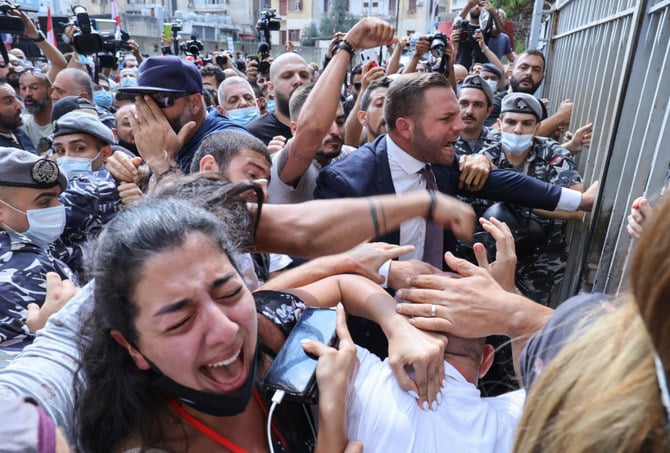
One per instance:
(40,38)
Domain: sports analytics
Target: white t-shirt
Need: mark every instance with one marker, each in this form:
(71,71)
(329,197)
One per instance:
(279,192)
(385,418)
(33,130)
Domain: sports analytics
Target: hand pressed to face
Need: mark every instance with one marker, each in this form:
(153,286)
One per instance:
(196,318)
(159,131)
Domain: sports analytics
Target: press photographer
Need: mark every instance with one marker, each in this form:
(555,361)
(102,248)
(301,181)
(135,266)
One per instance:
(267,22)
(15,22)
(87,40)
(464,32)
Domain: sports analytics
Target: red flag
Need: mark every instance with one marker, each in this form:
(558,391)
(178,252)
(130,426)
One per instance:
(117,19)
(51,36)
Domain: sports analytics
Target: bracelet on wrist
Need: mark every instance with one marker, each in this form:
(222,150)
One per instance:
(346,45)
(40,37)
(431,206)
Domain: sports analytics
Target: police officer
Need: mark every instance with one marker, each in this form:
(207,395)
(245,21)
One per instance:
(542,268)
(31,218)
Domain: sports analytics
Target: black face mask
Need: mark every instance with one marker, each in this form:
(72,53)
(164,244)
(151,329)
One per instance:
(218,405)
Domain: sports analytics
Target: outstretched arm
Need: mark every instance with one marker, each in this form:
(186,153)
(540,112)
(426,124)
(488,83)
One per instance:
(409,348)
(320,109)
(322,227)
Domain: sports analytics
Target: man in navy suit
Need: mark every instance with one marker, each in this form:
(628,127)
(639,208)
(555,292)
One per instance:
(423,121)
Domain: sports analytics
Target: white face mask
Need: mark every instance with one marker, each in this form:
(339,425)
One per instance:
(76,166)
(44,225)
(493,84)
(516,144)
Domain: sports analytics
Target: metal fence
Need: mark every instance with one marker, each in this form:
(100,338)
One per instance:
(611,57)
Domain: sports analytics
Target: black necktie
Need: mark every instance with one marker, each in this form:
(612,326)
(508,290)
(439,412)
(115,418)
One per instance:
(433,244)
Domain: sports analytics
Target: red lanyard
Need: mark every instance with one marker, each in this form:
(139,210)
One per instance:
(216,437)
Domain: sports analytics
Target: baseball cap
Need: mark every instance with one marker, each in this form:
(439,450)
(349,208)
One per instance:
(69,104)
(166,74)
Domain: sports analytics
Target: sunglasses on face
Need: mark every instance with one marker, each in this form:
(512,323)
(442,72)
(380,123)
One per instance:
(165,100)
(357,86)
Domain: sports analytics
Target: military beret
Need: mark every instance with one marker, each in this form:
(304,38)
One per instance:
(82,123)
(20,168)
(475,81)
(490,67)
(521,103)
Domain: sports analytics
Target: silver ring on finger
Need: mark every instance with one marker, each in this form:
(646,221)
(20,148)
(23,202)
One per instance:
(433,310)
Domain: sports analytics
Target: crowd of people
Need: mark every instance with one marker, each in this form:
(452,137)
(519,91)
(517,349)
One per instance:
(165,224)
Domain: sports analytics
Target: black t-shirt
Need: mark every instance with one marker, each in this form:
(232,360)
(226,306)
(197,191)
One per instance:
(268,126)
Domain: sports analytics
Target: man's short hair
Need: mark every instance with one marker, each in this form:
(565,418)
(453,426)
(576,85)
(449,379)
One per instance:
(82,81)
(225,145)
(384,82)
(405,97)
(535,52)
(298,99)
(212,70)
(44,78)
(356,70)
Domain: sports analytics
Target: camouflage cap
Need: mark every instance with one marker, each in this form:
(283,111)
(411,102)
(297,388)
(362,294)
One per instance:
(475,81)
(20,168)
(521,103)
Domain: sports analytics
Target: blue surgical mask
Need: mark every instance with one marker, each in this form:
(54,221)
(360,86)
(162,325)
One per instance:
(244,115)
(44,225)
(74,167)
(127,82)
(493,84)
(516,144)
(103,99)
(270,105)
(459,85)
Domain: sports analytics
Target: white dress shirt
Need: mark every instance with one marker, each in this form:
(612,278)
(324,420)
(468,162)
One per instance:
(385,418)
(405,175)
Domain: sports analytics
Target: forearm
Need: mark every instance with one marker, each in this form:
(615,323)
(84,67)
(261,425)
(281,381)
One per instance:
(332,435)
(353,126)
(394,63)
(550,124)
(524,323)
(53,56)
(316,117)
(413,62)
(322,227)
(488,53)
(561,214)
(309,272)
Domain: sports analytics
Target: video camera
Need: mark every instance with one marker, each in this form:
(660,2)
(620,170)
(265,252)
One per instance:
(438,43)
(10,25)
(88,41)
(193,47)
(267,22)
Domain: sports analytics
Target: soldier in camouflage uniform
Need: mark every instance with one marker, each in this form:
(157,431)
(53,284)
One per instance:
(475,103)
(542,268)
(31,217)
(81,145)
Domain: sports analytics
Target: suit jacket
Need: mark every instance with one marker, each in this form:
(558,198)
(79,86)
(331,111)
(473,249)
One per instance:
(366,172)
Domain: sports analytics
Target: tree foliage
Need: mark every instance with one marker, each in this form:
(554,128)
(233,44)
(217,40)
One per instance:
(309,35)
(338,18)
